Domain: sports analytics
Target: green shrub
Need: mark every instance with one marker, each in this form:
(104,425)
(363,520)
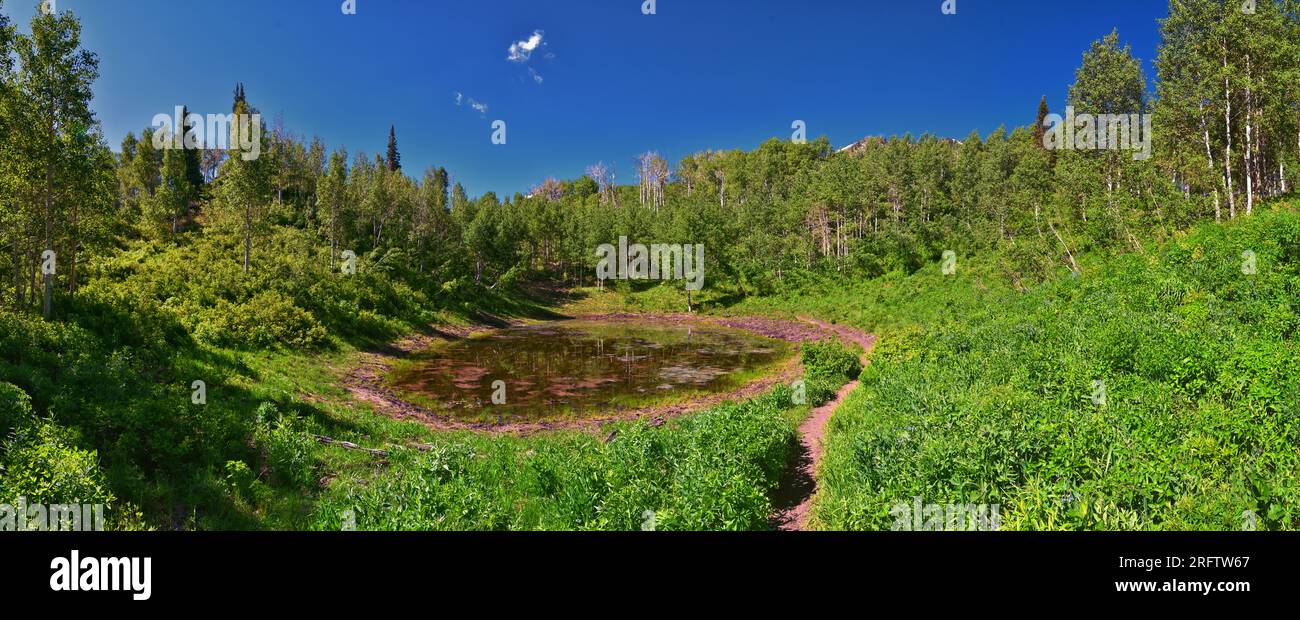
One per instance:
(15,408)
(267,320)
(711,471)
(289,450)
(830,359)
(43,464)
(1001,404)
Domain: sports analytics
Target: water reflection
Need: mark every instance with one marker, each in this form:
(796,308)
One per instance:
(570,368)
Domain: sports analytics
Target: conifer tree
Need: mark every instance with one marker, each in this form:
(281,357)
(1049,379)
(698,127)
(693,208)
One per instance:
(1040,128)
(193,159)
(394,158)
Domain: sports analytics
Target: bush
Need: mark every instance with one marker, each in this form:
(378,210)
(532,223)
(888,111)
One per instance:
(15,408)
(43,464)
(711,471)
(289,450)
(267,320)
(830,359)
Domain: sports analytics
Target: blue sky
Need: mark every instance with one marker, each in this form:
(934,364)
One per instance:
(614,82)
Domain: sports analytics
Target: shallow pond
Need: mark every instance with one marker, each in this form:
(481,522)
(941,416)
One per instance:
(575,368)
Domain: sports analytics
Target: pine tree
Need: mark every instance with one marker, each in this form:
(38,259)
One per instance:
(193,161)
(394,158)
(1040,128)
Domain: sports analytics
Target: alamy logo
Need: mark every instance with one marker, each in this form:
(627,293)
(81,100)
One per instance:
(1098,395)
(1094,132)
(1249,263)
(216,131)
(91,574)
(800,135)
(949,266)
(658,262)
(799,393)
(25,517)
(918,517)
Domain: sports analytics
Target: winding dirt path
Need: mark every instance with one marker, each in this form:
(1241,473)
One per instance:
(794,498)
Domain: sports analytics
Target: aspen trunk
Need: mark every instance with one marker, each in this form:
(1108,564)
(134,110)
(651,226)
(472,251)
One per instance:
(1227,127)
(248,235)
(1209,157)
(1250,183)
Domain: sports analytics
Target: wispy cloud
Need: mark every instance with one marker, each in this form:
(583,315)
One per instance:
(522,51)
(478,106)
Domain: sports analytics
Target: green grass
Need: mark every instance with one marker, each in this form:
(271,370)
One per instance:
(714,470)
(993,402)
(982,387)
(97,407)
(980,391)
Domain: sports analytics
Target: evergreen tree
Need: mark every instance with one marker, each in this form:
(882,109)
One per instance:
(193,159)
(394,158)
(1040,123)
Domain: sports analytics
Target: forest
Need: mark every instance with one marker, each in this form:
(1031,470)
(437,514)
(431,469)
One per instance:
(133,271)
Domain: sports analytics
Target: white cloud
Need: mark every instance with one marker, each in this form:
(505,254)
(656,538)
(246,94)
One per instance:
(478,106)
(521,51)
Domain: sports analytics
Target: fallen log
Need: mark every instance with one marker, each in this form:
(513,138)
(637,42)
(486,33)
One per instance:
(347,445)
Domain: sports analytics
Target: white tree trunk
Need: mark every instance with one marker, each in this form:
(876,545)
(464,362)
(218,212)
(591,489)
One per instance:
(1227,127)
(1209,156)
(1250,184)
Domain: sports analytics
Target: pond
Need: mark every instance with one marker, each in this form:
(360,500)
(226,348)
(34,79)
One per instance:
(571,369)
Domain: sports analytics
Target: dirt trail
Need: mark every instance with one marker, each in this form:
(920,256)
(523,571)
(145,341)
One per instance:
(794,498)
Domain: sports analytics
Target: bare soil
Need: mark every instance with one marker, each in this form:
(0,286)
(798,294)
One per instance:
(794,498)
